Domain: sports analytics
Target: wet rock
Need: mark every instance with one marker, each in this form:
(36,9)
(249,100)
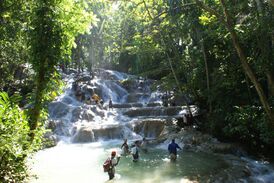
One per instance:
(157,111)
(71,71)
(110,132)
(83,134)
(89,90)
(84,78)
(130,85)
(149,127)
(62,127)
(87,115)
(76,114)
(50,125)
(154,104)
(49,140)
(127,105)
(247,171)
(136,97)
(67,100)
(58,109)
(223,147)
(236,171)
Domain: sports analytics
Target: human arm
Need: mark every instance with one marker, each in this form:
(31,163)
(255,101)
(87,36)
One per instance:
(118,160)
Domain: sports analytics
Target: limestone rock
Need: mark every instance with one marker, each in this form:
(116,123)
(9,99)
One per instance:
(83,134)
(58,109)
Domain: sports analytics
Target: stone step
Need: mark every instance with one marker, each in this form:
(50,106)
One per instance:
(136,104)
(147,127)
(153,111)
(154,104)
(127,105)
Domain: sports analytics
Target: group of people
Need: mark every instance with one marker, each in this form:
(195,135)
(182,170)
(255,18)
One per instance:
(135,148)
(92,99)
(134,151)
(168,99)
(82,97)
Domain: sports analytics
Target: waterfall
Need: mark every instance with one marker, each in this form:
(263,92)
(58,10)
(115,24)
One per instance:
(88,132)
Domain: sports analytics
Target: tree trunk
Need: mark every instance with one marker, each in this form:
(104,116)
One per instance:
(207,76)
(36,110)
(247,69)
(270,82)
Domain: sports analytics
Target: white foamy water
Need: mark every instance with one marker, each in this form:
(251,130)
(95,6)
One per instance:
(82,162)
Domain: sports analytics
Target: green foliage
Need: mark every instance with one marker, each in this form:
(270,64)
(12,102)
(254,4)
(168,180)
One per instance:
(206,19)
(15,146)
(140,36)
(14,52)
(55,24)
(248,123)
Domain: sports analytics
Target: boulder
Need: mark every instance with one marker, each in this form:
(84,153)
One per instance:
(62,127)
(84,78)
(49,140)
(71,71)
(110,132)
(130,85)
(51,125)
(67,100)
(76,114)
(58,109)
(89,90)
(87,115)
(83,134)
(149,127)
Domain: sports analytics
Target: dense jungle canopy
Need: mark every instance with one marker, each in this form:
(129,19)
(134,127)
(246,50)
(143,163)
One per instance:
(218,52)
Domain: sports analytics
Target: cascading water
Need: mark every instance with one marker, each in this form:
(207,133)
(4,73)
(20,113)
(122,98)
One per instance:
(88,133)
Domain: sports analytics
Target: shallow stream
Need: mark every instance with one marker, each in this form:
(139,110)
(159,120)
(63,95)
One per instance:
(70,163)
(87,132)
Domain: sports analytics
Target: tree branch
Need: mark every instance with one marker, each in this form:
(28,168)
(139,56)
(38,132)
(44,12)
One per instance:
(211,11)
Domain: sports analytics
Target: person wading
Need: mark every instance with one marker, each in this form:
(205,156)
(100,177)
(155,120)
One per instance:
(125,148)
(110,164)
(172,148)
(135,152)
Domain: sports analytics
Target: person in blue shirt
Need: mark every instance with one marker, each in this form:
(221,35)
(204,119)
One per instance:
(172,148)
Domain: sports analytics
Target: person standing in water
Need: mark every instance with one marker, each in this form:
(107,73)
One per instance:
(172,148)
(135,152)
(125,147)
(114,160)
